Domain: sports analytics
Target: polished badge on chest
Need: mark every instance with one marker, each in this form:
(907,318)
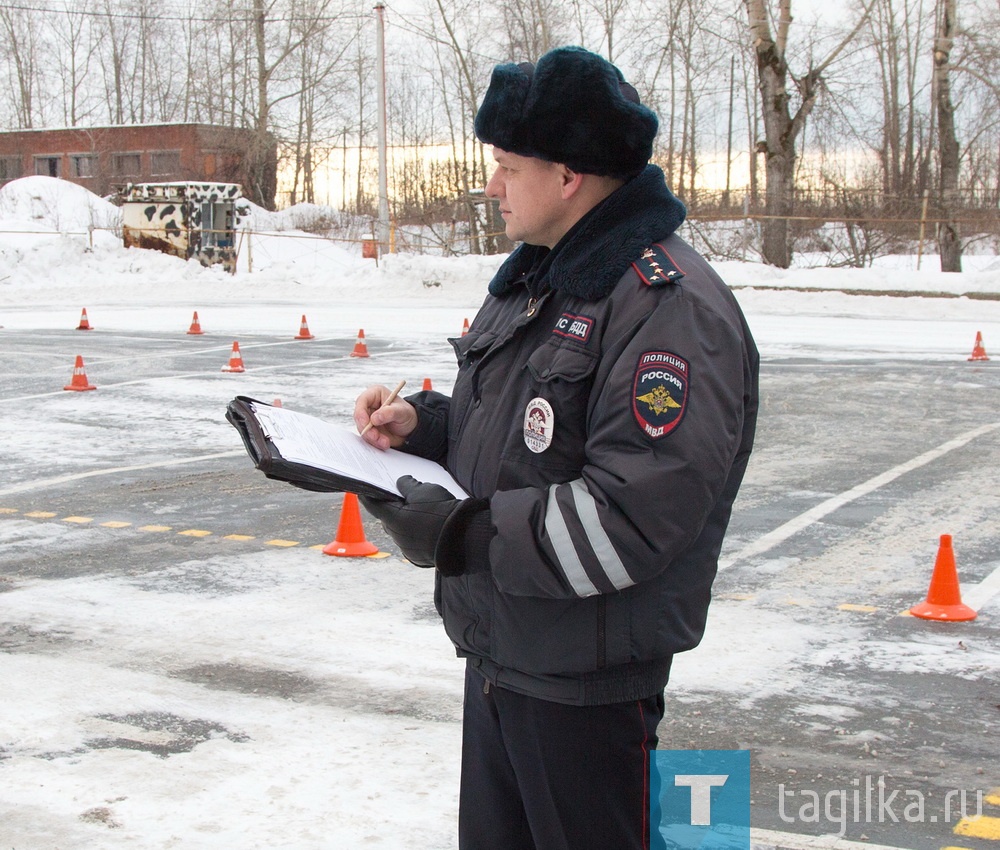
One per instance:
(539,422)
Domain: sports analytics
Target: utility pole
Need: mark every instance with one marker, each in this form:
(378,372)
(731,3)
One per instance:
(383,179)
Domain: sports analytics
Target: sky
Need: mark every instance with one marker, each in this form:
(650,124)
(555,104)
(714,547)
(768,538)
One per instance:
(375,754)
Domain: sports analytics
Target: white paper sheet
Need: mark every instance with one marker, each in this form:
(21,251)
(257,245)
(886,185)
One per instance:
(302,438)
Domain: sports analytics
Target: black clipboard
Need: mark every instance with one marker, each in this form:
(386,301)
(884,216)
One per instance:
(267,458)
(313,454)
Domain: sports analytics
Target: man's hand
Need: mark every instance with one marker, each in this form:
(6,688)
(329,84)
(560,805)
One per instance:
(391,425)
(430,524)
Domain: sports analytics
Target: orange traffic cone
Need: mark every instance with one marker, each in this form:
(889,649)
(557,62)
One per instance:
(195,325)
(944,599)
(235,360)
(465,327)
(427,384)
(79,381)
(360,349)
(304,330)
(84,322)
(350,541)
(978,350)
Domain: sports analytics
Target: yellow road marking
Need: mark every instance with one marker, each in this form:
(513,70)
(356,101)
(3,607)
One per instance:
(864,609)
(981,827)
(189,532)
(993,798)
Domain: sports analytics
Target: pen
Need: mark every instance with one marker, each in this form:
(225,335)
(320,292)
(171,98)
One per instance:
(389,400)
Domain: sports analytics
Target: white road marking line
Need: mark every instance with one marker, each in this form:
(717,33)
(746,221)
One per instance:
(65,479)
(763,838)
(816,513)
(977,595)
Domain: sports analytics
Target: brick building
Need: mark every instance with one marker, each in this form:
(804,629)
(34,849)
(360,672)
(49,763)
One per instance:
(102,159)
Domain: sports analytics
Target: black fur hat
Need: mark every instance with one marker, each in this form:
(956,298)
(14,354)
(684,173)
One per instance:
(572,107)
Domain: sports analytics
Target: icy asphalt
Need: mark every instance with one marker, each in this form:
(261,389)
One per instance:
(181,667)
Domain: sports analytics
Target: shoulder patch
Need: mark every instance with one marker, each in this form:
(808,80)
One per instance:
(656,267)
(660,392)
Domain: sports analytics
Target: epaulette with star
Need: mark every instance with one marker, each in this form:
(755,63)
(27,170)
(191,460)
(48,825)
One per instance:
(656,267)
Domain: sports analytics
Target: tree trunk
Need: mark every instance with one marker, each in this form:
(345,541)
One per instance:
(781,126)
(779,130)
(949,239)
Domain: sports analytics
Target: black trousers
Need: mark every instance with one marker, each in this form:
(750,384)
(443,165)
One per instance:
(540,775)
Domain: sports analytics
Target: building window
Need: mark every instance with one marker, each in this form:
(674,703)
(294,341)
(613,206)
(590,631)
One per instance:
(10,168)
(48,166)
(125,164)
(83,165)
(163,163)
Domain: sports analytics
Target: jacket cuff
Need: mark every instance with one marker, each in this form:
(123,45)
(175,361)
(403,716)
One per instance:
(430,438)
(464,543)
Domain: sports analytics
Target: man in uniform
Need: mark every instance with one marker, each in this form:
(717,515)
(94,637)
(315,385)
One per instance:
(601,421)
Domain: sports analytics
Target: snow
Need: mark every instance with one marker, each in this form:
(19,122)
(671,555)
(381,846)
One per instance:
(366,754)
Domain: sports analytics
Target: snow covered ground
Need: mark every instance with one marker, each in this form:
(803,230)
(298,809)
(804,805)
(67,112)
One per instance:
(330,772)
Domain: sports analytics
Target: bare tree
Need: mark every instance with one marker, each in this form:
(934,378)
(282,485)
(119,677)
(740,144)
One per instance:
(533,27)
(117,63)
(466,77)
(784,118)
(654,78)
(19,40)
(278,35)
(949,239)
(898,33)
(72,51)
(608,13)
(319,93)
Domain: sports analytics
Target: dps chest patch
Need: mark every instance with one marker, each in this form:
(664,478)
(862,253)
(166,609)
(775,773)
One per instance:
(539,424)
(660,392)
(575,327)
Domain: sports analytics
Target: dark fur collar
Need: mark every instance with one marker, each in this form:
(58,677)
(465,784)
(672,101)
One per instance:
(592,257)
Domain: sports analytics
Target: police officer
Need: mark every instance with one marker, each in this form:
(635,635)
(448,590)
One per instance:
(601,421)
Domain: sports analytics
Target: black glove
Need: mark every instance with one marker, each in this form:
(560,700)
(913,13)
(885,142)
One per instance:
(433,528)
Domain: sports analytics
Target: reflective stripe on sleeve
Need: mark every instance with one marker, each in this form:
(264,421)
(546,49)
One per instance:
(586,509)
(559,536)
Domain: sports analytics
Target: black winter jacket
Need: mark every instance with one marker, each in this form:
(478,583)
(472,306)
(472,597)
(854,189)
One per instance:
(609,422)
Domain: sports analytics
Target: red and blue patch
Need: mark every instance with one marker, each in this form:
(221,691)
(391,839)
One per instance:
(660,392)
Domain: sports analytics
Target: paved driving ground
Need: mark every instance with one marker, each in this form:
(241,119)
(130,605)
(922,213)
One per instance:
(177,654)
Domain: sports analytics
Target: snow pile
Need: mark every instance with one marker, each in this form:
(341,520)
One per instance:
(49,204)
(286,254)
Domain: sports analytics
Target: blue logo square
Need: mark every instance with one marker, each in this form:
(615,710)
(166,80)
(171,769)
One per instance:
(700,800)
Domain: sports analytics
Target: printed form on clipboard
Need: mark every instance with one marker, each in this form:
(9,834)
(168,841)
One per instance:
(308,452)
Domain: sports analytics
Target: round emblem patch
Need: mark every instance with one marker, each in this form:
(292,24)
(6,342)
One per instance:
(539,422)
(660,392)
